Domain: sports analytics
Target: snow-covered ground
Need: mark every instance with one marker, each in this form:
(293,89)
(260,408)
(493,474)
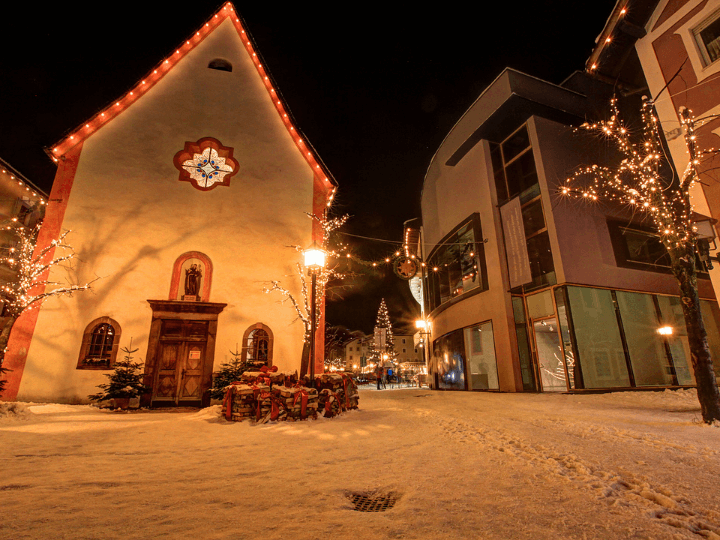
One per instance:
(466,465)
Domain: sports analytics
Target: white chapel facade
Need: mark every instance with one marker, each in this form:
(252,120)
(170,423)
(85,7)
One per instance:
(182,198)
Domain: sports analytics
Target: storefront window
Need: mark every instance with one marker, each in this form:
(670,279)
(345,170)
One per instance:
(449,358)
(480,354)
(457,265)
(646,347)
(672,315)
(573,369)
(711,318)
(599,345)
(523,343)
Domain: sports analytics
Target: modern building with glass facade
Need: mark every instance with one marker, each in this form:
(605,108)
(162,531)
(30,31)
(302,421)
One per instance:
(527,291)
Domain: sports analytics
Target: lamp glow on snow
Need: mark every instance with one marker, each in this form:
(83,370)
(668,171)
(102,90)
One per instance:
(314,262)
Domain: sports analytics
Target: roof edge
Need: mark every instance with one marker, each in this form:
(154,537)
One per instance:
(225,11)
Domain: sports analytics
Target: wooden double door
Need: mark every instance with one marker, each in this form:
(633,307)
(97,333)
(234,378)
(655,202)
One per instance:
(180,362)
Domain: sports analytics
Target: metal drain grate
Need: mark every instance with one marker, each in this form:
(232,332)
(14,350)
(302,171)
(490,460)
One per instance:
(373,502)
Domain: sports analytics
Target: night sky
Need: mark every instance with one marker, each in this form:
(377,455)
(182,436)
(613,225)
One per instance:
(374,87)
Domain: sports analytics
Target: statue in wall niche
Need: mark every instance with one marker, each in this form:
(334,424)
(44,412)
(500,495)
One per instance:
(193,277)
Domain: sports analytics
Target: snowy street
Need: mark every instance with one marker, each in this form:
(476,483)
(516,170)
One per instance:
(465,465)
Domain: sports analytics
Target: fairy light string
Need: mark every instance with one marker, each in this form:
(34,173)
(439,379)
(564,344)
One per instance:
(31,287)
(637,181)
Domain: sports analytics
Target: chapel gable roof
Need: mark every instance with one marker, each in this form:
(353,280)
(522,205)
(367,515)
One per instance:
(226,11)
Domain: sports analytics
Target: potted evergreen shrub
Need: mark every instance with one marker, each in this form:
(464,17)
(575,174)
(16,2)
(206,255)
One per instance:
(125,382)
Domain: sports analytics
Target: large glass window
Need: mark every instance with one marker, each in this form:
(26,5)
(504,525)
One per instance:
(467,354)
(457,265)
(449,358)
(598,341)
(711,318)
(573,369)
(672,315)
(513,165)
(646,347)
(523,343)
(480,354)
(515,175)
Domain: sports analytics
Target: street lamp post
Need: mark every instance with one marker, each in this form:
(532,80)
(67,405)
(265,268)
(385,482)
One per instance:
(424,326)
(314,262)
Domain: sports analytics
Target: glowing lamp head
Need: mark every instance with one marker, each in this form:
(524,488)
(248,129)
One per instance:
(314,257)
(385,357)
(421,324)
(665,330)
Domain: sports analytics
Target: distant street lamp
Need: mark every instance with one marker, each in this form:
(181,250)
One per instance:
(314,262)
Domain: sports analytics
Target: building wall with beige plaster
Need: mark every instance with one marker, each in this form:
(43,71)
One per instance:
(131,218)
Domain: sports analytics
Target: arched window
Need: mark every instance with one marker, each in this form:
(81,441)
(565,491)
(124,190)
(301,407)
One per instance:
(258,344)
(101,341)
(99,344)
(220,64)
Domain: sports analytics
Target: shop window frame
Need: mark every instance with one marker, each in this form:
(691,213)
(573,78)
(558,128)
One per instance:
(479,241)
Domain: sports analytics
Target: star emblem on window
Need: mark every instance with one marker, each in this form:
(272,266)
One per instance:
(206,164)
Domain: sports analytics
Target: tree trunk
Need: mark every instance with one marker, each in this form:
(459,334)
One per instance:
(4,338)
(305,359)
(683,267)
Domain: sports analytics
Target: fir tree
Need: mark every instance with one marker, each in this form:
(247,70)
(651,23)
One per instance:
(383,327)
(228,374)
(125,381)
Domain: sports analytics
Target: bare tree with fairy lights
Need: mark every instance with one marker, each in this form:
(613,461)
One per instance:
(328,273)
(30,286)
(639,183)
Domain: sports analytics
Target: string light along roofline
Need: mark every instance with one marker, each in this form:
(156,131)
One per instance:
(606,37)
(226,11)
(13,175)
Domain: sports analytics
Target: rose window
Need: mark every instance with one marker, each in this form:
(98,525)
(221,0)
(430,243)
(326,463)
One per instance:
(206,164)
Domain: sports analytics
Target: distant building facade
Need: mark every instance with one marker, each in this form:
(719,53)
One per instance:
(357,353)
(527,292)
